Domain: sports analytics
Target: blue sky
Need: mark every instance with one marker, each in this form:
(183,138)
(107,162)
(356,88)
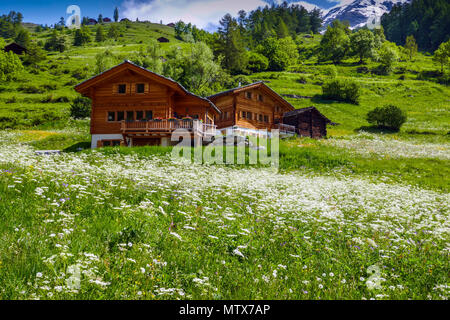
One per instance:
(203,13)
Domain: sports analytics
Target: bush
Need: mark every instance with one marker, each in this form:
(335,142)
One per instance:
(330,71)
(342,90)
(80,108)
(302,79)
(390,117)
(257,62)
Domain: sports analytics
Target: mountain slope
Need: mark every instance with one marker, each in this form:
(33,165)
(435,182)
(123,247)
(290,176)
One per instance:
(359,12)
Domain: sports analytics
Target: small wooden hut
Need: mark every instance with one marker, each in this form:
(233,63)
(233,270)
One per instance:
(163,40)
(309,122)
(16,48)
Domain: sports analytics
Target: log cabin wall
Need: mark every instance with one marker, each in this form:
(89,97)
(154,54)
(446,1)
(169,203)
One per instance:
(252,108)
(309,123)
(154,102)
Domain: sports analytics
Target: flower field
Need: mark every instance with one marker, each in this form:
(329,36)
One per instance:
(93,225)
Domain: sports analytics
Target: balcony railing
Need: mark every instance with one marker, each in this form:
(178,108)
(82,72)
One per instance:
(285,128)
(159,126)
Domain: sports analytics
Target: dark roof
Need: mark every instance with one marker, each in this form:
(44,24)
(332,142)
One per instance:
(163,39)
(158,75)
(300,111)
(15,47)
(252,85)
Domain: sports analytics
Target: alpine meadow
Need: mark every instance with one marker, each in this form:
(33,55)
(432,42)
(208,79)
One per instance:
(359,213)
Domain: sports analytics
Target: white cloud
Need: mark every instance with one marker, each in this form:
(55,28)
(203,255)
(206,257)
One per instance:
(202,13)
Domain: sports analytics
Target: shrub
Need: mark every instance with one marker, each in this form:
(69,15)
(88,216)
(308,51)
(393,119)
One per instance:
(80,108)
(257,62)
(330,71)
(390,117)
(342,90)
(302,79)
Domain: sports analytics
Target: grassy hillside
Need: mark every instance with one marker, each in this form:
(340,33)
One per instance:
(44,95)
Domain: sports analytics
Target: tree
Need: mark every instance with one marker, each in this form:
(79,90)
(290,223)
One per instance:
(100,34)
(281,53)
(257,62)
(100,18)
(442,55)
(34,55)
(23,38)
(335,43)
(342,90)
(390,117)
(80,108)
(57,42)
(196,71)
(116,14)
(388,55)
(411,46)
(82,36)
(231,45)
(10,66)
(282,29)
(104,61)
(315,20)
(363,44)
(114,32)
(150,58)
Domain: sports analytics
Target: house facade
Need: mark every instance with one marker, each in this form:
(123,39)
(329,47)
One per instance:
(132,106)
(252,109)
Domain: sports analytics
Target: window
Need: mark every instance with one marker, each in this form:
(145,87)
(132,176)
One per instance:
(122,89)
(195,116)
(107,143)
(266,118)
(139,115)
(149,115)
(120,115)
(249,115)
(260,98)
(244,114)
(116,143)
(261,117)
(248,95)
(111,143)
(111,116)
(140,88)
(130,115)
(227,115)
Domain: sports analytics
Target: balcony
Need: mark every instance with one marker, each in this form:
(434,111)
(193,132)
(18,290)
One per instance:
(167,126)
(285,129)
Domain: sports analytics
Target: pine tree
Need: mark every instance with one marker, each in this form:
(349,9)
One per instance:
(282,29)
(100,18)
(23,38)
(116,14)
(231,45)
(100,35)
(411,46)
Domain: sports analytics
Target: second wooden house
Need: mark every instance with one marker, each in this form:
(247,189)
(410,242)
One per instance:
(252,110)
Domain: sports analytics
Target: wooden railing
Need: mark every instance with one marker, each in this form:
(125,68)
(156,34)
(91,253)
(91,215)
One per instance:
(285,128)
(167,126)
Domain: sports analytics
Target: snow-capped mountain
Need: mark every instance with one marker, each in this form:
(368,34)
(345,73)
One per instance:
(359,12)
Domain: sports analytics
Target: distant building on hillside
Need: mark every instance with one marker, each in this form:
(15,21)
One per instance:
(107,20)
(16,48)
(92,22)
(172,25)
(125,19)
(162,39)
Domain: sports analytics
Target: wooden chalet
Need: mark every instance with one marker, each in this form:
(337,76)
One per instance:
(133,106)
(16,48)
(172,25)
(252,109)
(309,122)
